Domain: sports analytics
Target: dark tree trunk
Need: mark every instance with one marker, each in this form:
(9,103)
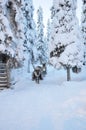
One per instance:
(68,73)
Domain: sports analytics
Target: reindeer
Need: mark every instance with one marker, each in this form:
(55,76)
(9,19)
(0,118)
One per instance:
(39,72)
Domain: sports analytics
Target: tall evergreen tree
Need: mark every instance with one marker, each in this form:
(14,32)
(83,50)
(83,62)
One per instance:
(41,45)
(48,30)
(29,32)
(65,48)
(7,45)
(14,15)
(48,36)
(83,28)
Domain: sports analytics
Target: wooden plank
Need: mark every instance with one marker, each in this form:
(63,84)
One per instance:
(4,81)
(3,77)
(3,85)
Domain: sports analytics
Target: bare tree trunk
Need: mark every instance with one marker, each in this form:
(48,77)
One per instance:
(28,66)
(68,73)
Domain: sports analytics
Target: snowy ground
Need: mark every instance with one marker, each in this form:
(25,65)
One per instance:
(54,104)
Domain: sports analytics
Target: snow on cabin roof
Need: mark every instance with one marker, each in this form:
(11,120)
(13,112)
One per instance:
(7,50)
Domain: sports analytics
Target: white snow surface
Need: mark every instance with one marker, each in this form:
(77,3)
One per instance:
(54,104)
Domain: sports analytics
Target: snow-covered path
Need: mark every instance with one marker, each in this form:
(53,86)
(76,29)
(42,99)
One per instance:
(51,105)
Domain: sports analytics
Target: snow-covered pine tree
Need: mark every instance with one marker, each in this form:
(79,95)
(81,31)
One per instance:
(48,30)
(6,35)
(65,47)
(83,28)
(41,44)
(29,32)
(15,17)
(48,36)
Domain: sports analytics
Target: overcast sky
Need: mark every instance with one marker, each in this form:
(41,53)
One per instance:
(46,5)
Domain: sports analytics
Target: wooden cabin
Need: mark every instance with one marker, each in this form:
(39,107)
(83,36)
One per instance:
(4,71)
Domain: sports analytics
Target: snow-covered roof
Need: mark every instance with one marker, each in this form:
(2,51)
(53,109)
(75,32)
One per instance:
(6,50)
